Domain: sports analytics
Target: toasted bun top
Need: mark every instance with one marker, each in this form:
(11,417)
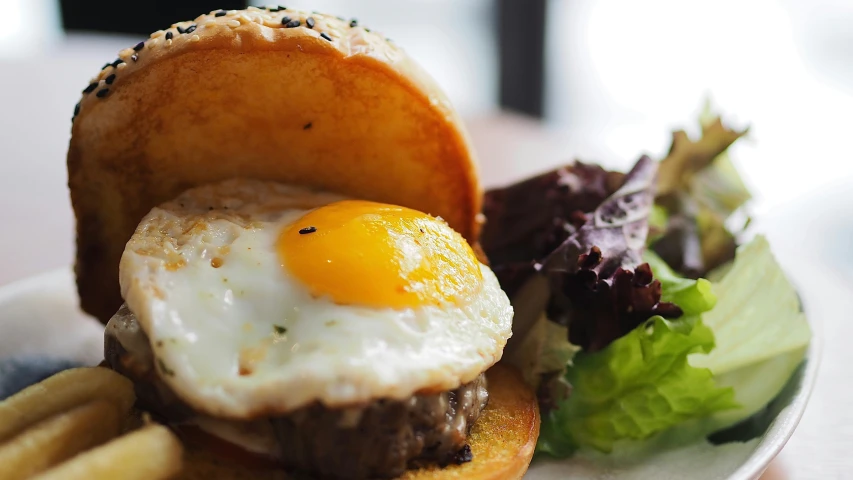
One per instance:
(275,94)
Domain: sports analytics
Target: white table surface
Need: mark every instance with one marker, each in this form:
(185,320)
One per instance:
(36,224)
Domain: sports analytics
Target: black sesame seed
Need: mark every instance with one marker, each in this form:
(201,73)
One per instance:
(293,24)
(220,13)
(106,65)
(367,30)
(353,23)
(307,230)
(285,20)
(139,46)
(280,8)
(310,22)
(134,57)
(77,109)
(307,126)
(168,35)
(117,62)
(110,79)
(91,88)
(279,330)
(182,30)
(191,29)
(102,93)
(326,36)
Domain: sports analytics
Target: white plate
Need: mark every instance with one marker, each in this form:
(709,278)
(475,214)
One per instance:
(40,316)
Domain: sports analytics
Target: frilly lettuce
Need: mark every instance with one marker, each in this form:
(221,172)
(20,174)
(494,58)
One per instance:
(700,189)
(652,357)
(642,384)
(639,386)
(601,288)
(744,336)
(693,296)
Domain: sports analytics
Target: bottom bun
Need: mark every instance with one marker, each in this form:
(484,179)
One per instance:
(502,442)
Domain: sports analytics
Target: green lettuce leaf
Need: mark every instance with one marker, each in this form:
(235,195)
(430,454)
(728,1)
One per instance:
(670,382)
(639,386)
(693,296)
(719,187)
(658,220)
(701,190)
(761,332)
(687,158)
(544,350)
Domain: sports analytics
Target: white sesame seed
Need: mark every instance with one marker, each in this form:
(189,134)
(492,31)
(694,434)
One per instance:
(158,34)
(233,23)
(169,42)
(207,22)
(121,66)
(195,38)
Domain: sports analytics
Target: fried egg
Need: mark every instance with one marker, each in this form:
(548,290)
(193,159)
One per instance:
(260,298)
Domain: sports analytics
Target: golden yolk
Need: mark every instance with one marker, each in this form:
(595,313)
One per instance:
(367,253)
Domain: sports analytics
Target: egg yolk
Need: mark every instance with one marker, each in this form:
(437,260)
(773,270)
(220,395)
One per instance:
(366,253)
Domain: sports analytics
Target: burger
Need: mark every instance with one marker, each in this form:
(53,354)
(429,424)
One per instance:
(277,221)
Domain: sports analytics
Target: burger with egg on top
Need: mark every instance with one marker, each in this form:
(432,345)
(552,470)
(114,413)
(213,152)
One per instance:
(275,218)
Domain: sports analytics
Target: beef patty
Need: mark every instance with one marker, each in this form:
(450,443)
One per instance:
(379,439)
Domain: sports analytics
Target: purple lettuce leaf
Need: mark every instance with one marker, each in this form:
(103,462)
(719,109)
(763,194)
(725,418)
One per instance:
(527,221)
(601,289)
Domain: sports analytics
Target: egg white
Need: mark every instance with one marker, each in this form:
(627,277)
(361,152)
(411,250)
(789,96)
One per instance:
(204,279)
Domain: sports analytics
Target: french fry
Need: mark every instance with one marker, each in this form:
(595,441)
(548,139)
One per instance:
(58,438)
(151,453)
(61,393)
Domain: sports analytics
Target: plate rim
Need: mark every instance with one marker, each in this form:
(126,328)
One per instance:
(779,433)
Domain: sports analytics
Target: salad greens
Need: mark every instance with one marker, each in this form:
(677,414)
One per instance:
(761,331)
(699,188)
(600,289)
(693,296)
(639,319)
(640,385)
